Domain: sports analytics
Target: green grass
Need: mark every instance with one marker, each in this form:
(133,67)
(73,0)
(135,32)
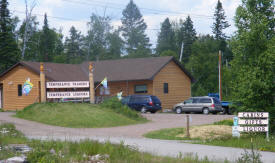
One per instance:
(77,115)
(166,134)
(244,141)
(66,151)
(228,122)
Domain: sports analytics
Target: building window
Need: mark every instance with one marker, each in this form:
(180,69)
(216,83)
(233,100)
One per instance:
(165,87)
(140,88)
(19,90)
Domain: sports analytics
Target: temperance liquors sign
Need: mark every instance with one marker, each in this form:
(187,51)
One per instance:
(68,94)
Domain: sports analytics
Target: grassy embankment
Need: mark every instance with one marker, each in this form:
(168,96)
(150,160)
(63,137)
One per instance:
(218,134)
(76,115)
(81,151)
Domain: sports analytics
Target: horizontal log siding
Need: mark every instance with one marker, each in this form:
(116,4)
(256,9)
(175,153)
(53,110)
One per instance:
(11,80)
(115,87)
(179,85)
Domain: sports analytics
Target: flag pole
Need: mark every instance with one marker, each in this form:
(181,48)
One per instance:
(97,86)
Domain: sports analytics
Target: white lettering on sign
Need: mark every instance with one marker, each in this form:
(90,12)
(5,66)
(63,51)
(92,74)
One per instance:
(75,84)
(80,94)
(253,114)
(253,121)
(253,129)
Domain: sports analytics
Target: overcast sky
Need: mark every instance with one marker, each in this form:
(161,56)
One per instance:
(66,13)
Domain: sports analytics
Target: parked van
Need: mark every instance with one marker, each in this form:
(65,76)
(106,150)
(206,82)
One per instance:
(203,105)
(143,103)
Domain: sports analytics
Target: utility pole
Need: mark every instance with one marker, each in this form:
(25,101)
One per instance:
(181,51)
(220,75)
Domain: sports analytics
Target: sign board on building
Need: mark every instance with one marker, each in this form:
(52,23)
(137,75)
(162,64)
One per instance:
(253,122)
(71,84)
(79,94)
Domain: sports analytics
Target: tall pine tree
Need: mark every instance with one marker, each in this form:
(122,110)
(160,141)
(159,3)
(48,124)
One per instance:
(133,30)
(218,26)
(220,23)
(187,37)
(166,38)
(46,44)
(9,52)
(73,44)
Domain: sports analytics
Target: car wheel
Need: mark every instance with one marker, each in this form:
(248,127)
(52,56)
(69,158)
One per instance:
(224,110)
(143,110)
(178,110)
(205,111)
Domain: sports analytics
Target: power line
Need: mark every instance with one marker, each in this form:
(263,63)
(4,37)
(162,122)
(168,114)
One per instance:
(63,18)
(160,12)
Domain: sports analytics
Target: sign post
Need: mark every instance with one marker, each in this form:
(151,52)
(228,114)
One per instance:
(235,127)
(254,122)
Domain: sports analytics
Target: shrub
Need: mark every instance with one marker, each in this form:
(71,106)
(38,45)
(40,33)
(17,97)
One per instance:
(118,107)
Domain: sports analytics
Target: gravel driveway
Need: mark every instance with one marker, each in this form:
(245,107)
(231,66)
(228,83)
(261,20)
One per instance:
(158,121)
(132,135)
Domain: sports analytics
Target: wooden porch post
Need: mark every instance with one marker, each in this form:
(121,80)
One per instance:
(42,83)
(91,79)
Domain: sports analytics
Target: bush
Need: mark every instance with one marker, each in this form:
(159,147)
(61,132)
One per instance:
(118,107)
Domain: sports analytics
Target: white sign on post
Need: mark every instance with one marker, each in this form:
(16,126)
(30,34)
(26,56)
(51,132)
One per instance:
(253,122)
(80,94)
(72,84)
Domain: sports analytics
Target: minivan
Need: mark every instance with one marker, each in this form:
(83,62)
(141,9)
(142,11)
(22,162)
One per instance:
(204,104)
(142,103)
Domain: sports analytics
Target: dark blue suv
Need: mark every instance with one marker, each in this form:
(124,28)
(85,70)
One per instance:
(142,103)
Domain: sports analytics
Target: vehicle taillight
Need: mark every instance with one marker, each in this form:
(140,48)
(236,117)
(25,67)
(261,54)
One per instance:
(151,103)
(213,105)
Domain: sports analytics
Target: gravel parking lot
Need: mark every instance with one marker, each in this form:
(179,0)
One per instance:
(158,121)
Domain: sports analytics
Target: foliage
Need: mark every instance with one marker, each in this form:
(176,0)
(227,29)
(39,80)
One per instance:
(118,107)
(170,53)
(9,52)
(78,115)
(248,157)
(49,44)
(187,35)
(203,65)
(220,23)
(96,42)
(253,65)
(73,44)
(166,38)
(32,39)
(133,31)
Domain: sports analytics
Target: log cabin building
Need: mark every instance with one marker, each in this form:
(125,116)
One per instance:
(163,77)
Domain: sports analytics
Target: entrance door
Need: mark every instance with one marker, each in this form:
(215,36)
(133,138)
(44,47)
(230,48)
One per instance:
(1,95)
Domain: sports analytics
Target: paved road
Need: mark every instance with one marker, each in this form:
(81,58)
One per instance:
(132,135)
